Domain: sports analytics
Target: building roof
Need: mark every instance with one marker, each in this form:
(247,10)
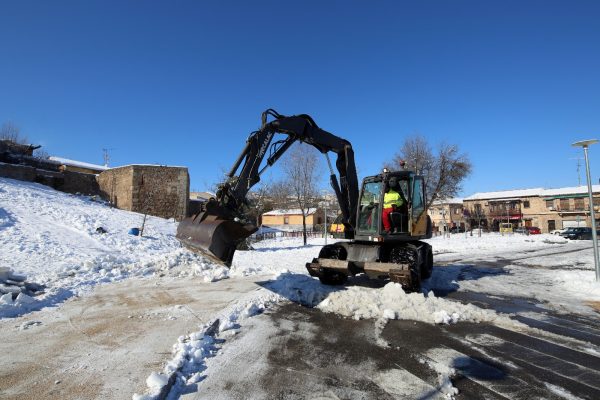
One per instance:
(201,195)
(292,211)
(80,164)
(570,190)
(518,193)
(453,200)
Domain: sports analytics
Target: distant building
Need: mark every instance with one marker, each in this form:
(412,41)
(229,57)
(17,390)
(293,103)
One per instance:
(201,196)
(548,209)
(148,189)
(78,166)
(446,214)
(291,219)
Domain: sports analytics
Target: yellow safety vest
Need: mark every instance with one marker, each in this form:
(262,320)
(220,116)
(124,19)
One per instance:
(392,197)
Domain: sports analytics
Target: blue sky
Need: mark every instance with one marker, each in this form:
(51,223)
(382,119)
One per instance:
(513,83)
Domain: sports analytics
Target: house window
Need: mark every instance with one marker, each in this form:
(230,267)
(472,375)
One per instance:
(564,205)
(597,201)
(286,220)
(549,203)
(579,204)
(526,204)
(457,211)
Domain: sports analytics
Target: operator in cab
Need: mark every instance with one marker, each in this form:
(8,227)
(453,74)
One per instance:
(392,201)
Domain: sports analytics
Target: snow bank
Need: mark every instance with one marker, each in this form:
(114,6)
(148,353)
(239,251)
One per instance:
(51,238)
(191,351)
(389,302)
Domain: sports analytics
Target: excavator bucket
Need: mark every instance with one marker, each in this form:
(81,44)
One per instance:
(213,236)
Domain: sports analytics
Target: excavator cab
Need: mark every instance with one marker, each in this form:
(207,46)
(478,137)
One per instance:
(407,220)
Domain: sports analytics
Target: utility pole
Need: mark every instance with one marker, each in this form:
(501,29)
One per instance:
(106,156)
(578,169)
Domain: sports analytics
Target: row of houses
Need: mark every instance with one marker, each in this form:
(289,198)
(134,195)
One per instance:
(547,209)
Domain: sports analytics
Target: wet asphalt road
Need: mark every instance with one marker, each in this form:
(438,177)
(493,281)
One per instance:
(295,352)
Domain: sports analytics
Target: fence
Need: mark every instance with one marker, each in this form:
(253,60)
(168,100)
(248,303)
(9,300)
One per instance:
(284,234)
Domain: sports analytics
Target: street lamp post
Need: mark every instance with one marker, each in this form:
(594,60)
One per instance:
(585,144)
(507,213)
(325,222)
(325,227)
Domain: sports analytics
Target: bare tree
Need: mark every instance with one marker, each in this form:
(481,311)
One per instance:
(259,202)
(10,131)
(477,213)
(280,193)
(301,177)
(443,171)
(41,154)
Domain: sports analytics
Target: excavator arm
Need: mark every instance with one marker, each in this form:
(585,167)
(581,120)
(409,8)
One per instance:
(217,230)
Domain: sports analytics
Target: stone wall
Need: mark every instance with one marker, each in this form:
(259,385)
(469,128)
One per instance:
(69,182)
(19,172)
(148,189)
(116,185)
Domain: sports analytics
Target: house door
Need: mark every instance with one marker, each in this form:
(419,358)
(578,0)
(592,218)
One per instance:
(551,225)
(528,222)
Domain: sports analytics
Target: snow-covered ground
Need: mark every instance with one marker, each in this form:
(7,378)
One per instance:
(52,239)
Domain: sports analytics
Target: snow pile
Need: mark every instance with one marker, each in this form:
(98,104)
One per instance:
(392,302)
(389,302)
(191,351)
(54,239)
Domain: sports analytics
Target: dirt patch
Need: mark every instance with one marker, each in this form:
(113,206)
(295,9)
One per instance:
(595,305)
(105,344)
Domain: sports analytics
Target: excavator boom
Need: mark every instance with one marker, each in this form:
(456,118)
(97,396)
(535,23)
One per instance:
(217,230)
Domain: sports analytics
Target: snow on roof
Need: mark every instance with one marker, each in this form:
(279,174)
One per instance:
(570,190)
(292,211)
(518,193)
(506,194)
(80,164)
(453,200)
(202,195)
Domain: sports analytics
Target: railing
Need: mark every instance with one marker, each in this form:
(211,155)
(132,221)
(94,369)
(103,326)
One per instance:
(284,234)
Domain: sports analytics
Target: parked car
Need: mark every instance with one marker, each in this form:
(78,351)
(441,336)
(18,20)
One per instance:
(578,233)
(533,230)
(522,230)
(558,231)
(457,229)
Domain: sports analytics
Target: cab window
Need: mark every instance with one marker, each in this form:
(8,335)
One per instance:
(418,200)
(368,220)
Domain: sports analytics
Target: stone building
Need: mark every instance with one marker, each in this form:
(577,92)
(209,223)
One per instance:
(291,219)
(446,214)
(548,209)
(149,189)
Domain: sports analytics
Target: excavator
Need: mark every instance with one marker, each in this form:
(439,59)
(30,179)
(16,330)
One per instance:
(397,254)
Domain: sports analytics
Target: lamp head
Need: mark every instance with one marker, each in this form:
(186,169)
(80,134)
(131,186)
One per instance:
(584,143)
